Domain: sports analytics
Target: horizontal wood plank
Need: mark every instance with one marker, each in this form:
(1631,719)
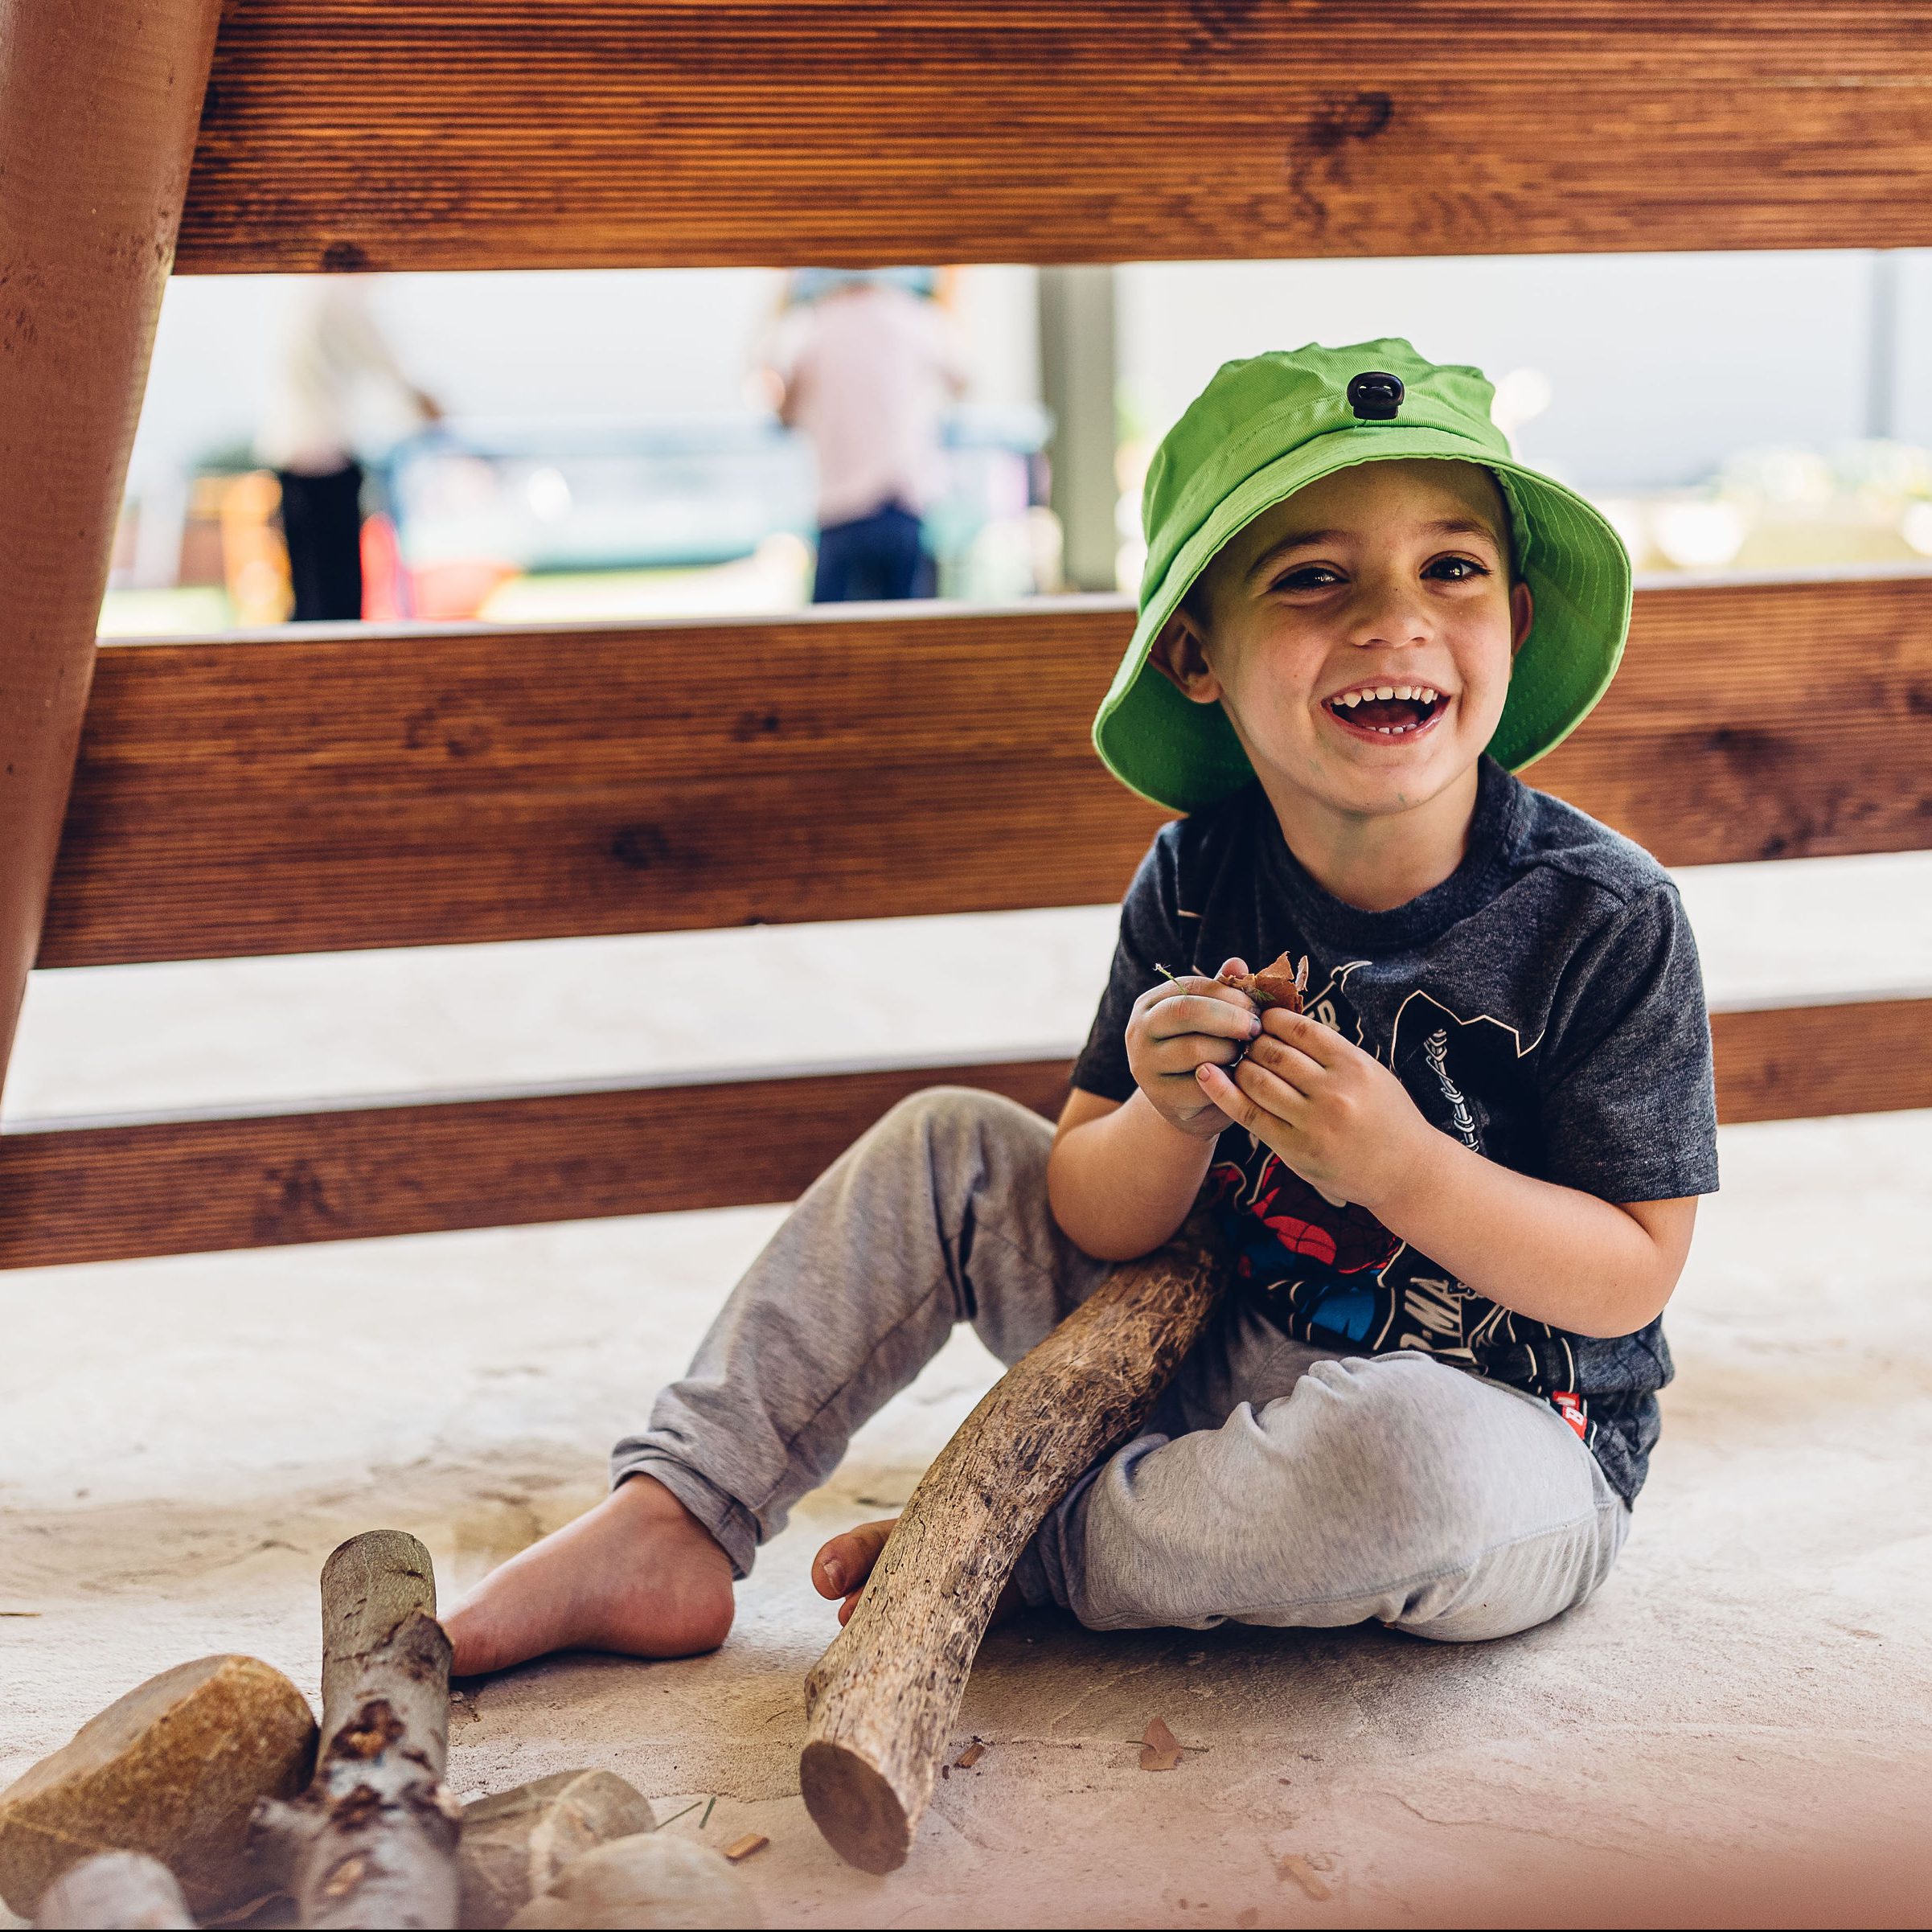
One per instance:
(192,1186)
(357,134)
(199,1185)
(305,793)
(1794,1063)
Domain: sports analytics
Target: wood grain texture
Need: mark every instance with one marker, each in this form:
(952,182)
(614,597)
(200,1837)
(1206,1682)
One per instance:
(198,1185)
(881,1703)
(98,106)
(184,1186)
(372,1841)
(580,133)
(1795,1062)
(297,793)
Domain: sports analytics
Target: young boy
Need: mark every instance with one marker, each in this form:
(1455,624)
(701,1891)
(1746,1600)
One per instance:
(1458,1190)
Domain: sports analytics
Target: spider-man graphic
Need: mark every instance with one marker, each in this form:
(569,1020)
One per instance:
(1345,1239)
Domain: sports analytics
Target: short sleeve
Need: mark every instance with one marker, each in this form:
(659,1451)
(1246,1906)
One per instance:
(1148,928)
(1629,1102)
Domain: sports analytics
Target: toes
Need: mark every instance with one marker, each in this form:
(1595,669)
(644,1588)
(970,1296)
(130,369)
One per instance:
(841,1567)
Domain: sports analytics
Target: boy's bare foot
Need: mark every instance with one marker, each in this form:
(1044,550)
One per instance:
(637,1574)
(841,1567)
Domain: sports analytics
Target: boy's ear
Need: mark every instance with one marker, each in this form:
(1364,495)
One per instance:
(1522,614)
(1179,653)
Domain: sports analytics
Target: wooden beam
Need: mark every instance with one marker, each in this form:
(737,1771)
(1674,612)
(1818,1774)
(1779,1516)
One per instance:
(99,100)
(305,793)
(193,1184)
(585,134)
(1794,1063)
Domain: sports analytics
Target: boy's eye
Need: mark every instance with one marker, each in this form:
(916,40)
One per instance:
(1308,577)
(1455,570)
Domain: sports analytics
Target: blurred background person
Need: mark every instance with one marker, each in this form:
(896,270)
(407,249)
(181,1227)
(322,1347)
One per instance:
(335,374)
(866,367)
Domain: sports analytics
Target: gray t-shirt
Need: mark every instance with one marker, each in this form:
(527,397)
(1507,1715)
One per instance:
(1542,1004)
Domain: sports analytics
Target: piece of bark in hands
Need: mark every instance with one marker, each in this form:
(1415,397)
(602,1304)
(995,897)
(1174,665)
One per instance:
(1280,985)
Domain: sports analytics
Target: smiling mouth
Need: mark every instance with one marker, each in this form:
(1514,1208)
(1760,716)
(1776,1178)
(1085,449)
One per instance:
(1387,710)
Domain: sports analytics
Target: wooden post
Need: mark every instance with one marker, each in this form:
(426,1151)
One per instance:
(879,1702)
(100,100)
(1077,374)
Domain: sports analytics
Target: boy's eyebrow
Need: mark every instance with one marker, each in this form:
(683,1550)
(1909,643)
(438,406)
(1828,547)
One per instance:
(1449,526)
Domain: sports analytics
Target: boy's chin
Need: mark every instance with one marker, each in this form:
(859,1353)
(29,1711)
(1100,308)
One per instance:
(1378,783)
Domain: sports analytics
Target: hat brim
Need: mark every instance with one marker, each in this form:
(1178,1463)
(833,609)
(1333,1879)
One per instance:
(1185,756)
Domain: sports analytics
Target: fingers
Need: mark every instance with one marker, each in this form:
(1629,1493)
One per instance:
(841,1567)
(1299,1069)
(1254,1098)
(1321,1043)
(1229,1097)
(1270,1092)
(1196,1013)
(1234,969)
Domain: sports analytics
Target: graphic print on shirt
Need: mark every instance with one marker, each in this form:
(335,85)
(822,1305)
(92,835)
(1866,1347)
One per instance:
(1333,1275)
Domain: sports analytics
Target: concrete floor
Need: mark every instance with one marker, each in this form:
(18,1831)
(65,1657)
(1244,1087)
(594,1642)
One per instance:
(1743,1708)
(186,1440)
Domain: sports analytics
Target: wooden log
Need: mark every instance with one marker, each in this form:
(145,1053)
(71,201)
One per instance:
(174,1768)
(114,1892)
(881,1701)
(516,1843)
(99,103)
(372,1843)
(641,1884)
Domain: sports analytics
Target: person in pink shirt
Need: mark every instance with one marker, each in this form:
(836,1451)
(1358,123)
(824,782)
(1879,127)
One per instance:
(865,370)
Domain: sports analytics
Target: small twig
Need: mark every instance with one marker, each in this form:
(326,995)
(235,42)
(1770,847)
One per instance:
(676,1815)
(705,1820)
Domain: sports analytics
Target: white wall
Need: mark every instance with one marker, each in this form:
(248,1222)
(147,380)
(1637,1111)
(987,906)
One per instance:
(1662,365)
(627,344)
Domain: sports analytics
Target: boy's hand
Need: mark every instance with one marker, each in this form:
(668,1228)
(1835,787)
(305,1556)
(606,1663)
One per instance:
(1336,1115)
(1178,1027)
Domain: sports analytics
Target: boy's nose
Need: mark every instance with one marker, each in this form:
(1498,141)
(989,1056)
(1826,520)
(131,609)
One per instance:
(1389,615)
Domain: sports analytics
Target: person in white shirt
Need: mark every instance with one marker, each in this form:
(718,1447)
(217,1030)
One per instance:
(867,370)
(334,363)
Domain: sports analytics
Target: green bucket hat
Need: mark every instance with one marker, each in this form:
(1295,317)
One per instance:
(1270,425)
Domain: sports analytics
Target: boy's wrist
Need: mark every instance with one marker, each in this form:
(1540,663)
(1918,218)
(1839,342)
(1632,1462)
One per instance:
(1421,1177)
(1180,1136)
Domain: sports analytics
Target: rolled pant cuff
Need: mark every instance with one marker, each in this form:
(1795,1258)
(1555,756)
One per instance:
(732,1525)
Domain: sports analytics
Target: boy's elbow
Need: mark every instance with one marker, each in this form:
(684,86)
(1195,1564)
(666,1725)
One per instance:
(1631,1306)
(1086,1222)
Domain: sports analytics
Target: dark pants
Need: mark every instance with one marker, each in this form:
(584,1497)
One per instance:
(875,556)
(321,517)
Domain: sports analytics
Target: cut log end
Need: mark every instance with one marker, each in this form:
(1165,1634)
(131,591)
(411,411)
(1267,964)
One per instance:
(863,1818)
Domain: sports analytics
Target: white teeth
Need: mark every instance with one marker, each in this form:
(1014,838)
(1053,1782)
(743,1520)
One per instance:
(1404,690)
(1385,691)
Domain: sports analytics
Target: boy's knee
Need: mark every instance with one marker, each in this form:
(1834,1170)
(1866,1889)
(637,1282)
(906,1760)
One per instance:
(1399,1443)
(944,1123)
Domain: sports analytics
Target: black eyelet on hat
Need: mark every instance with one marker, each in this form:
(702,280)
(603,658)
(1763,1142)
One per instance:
(1375,396)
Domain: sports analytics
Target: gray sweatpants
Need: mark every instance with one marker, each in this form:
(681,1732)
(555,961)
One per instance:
(1275,1483)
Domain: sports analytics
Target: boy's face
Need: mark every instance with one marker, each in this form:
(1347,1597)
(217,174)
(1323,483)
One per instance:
(1389,577)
